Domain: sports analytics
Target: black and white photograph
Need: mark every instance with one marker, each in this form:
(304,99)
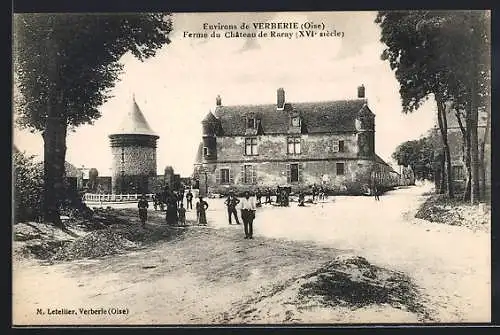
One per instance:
(251,168)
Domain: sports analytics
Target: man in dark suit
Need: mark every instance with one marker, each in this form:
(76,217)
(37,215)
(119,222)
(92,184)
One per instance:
(189,200)
(231,203)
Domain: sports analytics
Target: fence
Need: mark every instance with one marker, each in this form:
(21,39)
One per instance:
(91,197)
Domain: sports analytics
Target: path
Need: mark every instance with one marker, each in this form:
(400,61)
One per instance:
(451,263)
(202,275)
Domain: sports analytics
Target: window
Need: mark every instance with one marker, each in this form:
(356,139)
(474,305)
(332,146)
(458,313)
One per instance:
(248,174)
(335,146)
(293,145)
(251,123)
(340,169)
(294,173)
(295,121)
(224,176)
(341,146)
(205,151)
(251,146)
(458,172)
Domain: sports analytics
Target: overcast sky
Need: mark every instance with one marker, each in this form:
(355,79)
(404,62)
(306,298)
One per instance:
(178,87)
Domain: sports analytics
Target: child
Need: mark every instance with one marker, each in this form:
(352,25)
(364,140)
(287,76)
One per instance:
(143,210)
(301,199)
(182,215)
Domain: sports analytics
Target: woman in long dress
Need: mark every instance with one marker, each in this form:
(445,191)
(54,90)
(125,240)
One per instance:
(171,214)
(201,207)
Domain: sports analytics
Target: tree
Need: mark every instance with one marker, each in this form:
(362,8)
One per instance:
(445,54)
(65,66)
(28,187)
(466,54)
(413,48)
(418,154)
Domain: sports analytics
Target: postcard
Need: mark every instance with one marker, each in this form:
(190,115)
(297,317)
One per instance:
(251,168)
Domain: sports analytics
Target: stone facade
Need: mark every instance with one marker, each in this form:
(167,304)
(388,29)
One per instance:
(299,145)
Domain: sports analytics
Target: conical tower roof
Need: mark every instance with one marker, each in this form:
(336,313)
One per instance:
(134,123)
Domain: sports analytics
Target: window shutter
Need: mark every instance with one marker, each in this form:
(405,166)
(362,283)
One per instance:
(300,168)
(218,176)
(254,174)
(288,173)
(242,174)
(231,179)
(244,146)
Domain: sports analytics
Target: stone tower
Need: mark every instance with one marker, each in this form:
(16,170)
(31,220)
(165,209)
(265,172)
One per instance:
(133,147)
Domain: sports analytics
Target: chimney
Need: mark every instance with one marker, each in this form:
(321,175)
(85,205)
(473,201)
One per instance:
(361,92)
(280,98)
(218,101)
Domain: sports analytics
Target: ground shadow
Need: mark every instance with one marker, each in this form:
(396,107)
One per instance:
(355,283)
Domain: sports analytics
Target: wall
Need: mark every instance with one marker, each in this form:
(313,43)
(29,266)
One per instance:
(318,146)
(273,174)
(138,162)
(156,184)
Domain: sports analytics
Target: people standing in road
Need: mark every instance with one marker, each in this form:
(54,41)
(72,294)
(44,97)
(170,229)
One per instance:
(155,202)
(258,196)
(180,198)
(313,191)
(376,192)
(182,215)
(189,200)
(171,214)
(231,203)
(321,195)
(285,200)
(248,209)
(201,208)
(268,195)
(143,209)
(301,199)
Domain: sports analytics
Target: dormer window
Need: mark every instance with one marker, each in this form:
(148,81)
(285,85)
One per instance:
(295,121)
(251,123)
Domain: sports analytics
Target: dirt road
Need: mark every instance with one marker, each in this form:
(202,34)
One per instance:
(211,274)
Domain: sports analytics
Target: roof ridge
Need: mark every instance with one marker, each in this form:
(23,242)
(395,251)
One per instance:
(297,102)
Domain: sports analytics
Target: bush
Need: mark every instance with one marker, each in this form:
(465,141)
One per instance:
(28,187)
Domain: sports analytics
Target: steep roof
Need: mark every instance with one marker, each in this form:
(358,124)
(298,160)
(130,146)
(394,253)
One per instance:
(199,154)
(210,117)
(379,159)
(134,123)
(317,117)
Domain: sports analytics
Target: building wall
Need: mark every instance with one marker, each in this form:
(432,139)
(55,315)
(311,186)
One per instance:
(138,163)
(274,147)
(273,174)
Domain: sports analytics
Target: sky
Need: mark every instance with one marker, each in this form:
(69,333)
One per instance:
(178,87)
